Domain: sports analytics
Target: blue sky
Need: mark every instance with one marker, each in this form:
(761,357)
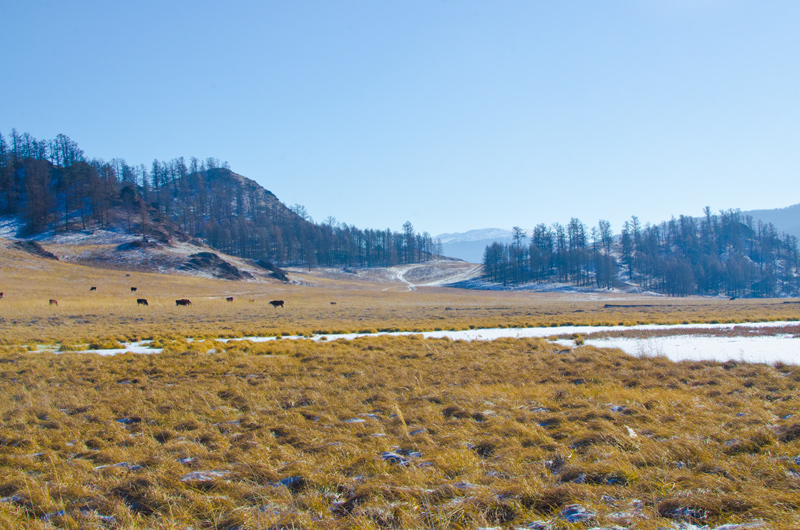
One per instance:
(454,115)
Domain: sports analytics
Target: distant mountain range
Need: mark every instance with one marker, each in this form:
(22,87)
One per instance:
(470,245)
(785,219)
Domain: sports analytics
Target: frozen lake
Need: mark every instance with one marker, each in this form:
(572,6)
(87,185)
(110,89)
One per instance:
(683,342)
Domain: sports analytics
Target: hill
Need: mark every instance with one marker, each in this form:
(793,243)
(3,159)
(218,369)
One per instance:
(786,220)
(52,188)
(471,245)
(726,254)
(121,250)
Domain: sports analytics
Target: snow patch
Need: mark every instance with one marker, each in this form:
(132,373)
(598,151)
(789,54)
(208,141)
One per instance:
(10,226)
(767,350)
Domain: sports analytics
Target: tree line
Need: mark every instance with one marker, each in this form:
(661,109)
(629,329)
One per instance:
(726,254)
(565,254)
(53,185)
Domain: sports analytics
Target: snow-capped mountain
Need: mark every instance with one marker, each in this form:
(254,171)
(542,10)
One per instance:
(470,245)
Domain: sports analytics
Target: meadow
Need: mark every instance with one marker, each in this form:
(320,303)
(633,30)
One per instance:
(379,432)
(316,304)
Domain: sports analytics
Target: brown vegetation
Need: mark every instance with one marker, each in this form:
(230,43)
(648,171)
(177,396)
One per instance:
(110,312)
(382,432)
(393,432)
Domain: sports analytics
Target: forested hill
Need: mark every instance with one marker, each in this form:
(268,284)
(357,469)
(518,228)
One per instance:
(719,254)
(51,185)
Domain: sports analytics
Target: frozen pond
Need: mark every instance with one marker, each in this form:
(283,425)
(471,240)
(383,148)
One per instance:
(130,347)
(521,333)
(677,347)
(769,350)
(682,342)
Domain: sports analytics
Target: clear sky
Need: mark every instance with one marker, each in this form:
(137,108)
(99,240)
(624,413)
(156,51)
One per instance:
(453,115)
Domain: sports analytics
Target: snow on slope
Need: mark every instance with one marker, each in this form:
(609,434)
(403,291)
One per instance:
(101,248)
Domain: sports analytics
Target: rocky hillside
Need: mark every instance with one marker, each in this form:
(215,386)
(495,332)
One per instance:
(162,250)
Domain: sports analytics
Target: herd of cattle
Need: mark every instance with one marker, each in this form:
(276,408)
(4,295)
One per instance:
(179,302)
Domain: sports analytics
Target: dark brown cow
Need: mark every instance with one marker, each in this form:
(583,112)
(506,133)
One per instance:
(1,295)
(133,289)
(53,302)
(276,303)
(333,303)
(141,301)
(183,301)
(229,299)
(92,288)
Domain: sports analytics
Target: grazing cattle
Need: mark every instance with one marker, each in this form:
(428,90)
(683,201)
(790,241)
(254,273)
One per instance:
(1,295)
(133,289)
(183,301)
(53,302)
(333,303)
(276,303)
(141,301)
(92,288)
(229,299)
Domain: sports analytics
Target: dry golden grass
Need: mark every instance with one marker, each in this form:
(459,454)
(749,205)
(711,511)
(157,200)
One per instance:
(493,434)
(496,433)
(111,312)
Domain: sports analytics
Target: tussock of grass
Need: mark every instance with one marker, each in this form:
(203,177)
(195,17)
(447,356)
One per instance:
(488,434)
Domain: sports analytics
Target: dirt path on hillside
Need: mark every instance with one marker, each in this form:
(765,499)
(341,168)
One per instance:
(400,275)
(468,274)
(434,274)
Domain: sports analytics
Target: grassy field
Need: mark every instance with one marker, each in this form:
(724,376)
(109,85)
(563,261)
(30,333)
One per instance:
(381,432)
(501,433)
(321,305)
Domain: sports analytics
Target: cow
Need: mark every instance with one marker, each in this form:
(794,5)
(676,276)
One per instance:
(92,288)
(333,303)
(276,303)
(53,302)
(229,299)
(133,289)
(141,301)
(1,295)
(183,301)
